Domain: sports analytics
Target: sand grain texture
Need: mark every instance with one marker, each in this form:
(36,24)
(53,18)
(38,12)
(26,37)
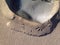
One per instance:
(11,37)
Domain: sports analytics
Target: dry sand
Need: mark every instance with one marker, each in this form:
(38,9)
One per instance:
(10,37)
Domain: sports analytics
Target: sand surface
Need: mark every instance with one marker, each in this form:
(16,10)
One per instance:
(11,37)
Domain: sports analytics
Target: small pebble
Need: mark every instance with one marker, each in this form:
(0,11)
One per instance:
(8,23)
